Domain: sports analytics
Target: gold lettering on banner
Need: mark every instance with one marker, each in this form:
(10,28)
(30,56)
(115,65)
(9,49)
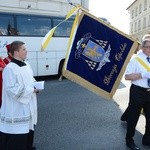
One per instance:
(108,78)
(118,56)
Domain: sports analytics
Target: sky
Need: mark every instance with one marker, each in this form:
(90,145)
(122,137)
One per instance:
(113,10)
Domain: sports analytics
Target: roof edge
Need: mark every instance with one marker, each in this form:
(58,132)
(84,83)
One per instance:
(131,5)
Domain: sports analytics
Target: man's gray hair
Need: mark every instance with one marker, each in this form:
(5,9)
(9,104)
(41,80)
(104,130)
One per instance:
(146,36)
(144,42)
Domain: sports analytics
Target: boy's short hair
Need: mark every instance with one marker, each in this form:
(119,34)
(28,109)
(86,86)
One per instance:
(15,46)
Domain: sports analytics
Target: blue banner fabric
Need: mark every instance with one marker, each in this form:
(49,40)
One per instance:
(98,55)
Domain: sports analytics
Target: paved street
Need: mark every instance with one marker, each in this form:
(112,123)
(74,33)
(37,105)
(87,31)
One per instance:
(73,118)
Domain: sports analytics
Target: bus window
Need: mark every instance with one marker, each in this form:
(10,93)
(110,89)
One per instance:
(6,25)
(33,26)
(64,29)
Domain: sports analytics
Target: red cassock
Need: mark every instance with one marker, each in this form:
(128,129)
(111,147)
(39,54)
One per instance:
(7,59)
(2,65)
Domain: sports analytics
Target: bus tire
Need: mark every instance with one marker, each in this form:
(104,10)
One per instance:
(61,67)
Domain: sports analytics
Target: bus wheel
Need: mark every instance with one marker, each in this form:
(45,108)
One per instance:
(61,67)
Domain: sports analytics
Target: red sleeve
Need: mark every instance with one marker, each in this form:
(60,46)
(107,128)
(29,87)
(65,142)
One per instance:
(6,61)
(2,64)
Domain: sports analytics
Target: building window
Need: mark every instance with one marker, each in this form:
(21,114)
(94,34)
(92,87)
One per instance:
(140,8)
(136,9)
(145,5)
(139,25)
(131,28)
(135,29)
(149,21)
(144,22)
(132,14)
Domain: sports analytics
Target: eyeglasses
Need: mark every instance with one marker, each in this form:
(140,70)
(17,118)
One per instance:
(146,46)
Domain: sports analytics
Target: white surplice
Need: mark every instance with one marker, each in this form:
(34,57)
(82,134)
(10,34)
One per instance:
(18,113)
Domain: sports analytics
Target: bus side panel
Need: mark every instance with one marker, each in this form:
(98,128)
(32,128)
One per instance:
(32,59)
(47,63)
(43,63)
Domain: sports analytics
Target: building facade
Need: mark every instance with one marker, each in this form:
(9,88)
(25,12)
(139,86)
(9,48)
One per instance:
(139,24)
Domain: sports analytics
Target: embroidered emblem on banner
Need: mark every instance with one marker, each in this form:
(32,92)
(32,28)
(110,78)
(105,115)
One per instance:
(95,52)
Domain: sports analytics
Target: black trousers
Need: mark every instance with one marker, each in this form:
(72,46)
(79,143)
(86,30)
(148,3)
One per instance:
(16,141)
(30,140)
(125,114)
(139,98)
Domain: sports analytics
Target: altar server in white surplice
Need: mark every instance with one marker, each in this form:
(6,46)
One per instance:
(18,114)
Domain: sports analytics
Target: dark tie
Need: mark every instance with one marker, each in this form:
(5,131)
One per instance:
(148,59)
(148,80)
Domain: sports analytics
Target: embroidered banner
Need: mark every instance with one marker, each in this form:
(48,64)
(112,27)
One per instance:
(98,55)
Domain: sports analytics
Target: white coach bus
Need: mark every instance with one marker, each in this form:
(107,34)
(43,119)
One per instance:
(29,21)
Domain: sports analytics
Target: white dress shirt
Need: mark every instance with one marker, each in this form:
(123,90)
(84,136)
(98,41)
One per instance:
(135,67)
